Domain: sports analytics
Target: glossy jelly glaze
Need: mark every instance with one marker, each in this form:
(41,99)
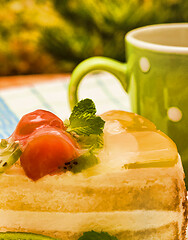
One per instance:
(134,142)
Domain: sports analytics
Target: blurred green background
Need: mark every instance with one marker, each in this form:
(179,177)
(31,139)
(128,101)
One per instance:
(50,36)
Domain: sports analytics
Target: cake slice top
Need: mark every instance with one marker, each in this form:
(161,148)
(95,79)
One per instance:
(128,141)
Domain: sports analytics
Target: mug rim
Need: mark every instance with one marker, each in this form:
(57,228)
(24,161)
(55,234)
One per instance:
(130,38)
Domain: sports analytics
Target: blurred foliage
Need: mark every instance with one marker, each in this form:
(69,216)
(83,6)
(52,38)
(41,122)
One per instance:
(98,27)
(40,36)
(20,28)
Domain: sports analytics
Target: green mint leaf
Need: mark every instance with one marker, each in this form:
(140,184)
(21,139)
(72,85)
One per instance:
(10,152)
(92,141)
(87,129)
(92,235)
(83,120)
(83,109)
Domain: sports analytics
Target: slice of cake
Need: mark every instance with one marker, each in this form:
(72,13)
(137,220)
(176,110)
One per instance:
(130,186)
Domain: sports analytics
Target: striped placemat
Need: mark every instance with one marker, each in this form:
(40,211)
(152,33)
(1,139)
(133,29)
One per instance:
(103,89)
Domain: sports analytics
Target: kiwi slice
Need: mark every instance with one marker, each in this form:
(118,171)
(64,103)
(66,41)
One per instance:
(23,236)
(81,163)
(10,152)
(152,164)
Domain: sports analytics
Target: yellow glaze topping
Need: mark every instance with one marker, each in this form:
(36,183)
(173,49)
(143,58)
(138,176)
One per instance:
(134,142)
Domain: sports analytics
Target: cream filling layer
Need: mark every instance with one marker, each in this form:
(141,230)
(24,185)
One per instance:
(116,221)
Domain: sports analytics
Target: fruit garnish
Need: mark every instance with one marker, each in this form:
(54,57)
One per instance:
(92,235)
(87,129)
(49,146)
(32,121)
(140,148)
(84,161)
(23,236)
(48,150)
(10,152)
(45,145)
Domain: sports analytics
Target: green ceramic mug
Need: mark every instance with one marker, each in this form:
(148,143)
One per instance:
(155,77)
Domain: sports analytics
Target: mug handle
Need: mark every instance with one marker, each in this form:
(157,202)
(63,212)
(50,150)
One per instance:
(114,67)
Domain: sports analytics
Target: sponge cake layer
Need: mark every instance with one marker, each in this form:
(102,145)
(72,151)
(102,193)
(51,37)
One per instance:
(116,222)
